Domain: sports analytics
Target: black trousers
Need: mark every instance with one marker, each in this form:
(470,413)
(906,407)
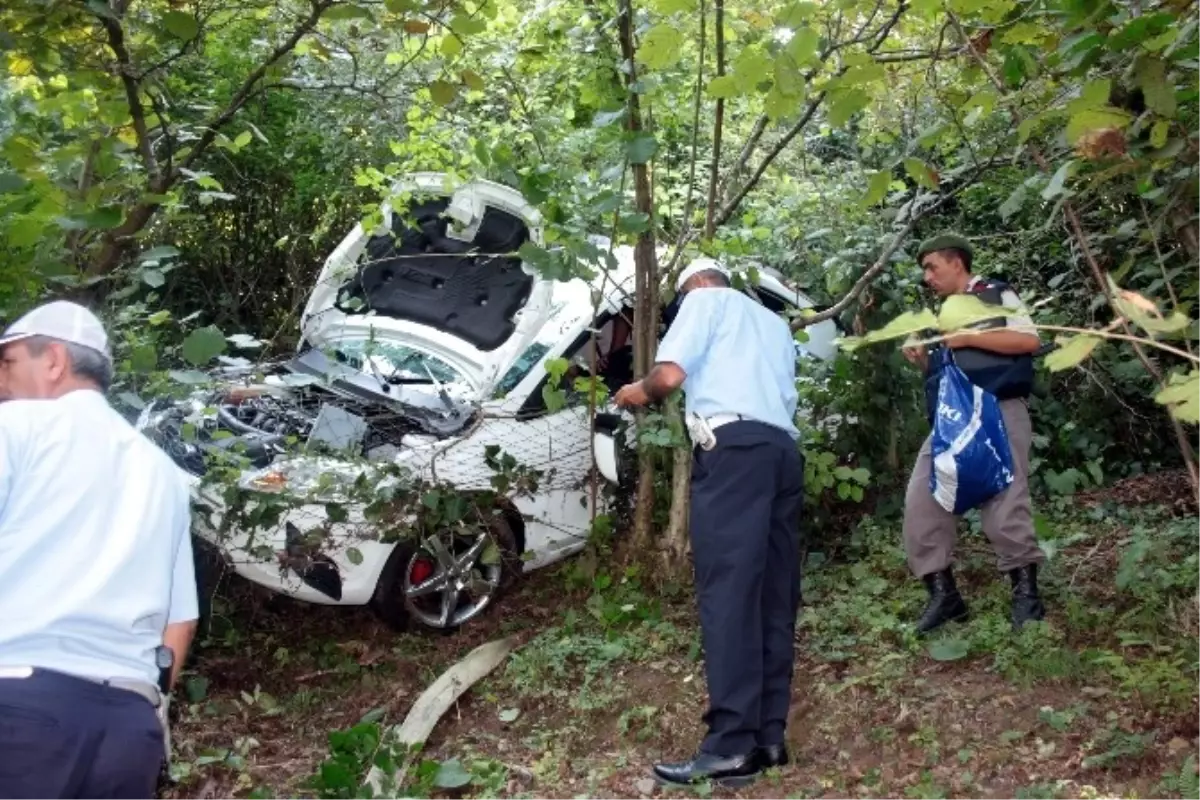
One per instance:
(747,494)
(62,736)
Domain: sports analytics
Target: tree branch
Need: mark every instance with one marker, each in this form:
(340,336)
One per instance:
(137,113)
(710,223)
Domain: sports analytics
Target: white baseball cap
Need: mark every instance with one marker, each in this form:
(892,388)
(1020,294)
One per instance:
(699,265)
(62,320)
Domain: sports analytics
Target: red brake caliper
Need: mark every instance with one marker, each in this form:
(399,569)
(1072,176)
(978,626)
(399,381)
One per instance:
(421,570)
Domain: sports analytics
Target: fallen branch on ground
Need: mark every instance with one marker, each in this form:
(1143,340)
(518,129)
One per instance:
(433,703)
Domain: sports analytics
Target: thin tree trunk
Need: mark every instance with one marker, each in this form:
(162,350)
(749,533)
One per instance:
(645,312)
(718,126)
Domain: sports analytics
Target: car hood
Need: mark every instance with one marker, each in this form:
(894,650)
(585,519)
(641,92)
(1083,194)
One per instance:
(440,274)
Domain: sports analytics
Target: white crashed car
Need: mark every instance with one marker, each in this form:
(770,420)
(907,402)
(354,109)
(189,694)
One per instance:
(443,372)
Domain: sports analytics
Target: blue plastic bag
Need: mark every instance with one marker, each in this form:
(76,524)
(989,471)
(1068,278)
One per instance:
(972,461)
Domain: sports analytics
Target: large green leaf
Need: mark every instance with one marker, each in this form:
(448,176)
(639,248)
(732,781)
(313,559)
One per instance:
(442,92)
(877,188)
(641,147)
(907,324)
(845,105)
(920,172)
(1071,352)
(181,25)
(803,46)
(203,345)
(1182,397)
(1158,91)
(724,86)
(1094,119)
(661,46)
(960,311)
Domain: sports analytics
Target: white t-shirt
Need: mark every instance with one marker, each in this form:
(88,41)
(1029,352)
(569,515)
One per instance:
(95,544)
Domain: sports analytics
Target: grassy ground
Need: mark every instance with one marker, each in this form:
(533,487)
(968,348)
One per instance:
(1101,701)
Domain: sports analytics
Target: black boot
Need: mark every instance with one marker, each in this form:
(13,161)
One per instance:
(945,603)
(1026,603)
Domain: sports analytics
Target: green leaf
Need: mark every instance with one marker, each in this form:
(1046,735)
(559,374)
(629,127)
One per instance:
(442,92)
(181,25)
(1014,203)
(661,46)
(143,358)
(451,775)
(641,147)
(1058,180)
(777,105)
(11,182)
(1159,93)
(347,11)
(243,139)
(153,278)
(920,172)
(949,649)
(203,345)
(1071,352)
(669,7)
(907,324)
(960,311)
(803,46)
(490,555)
(105,218)
(1093,119)
(877,189)
(157,254)
(473,80)
(1182,397)
(196,688)
(1159,133)
(846,105)
(451,46)
(725,86)
(788,80)
(354,556)
(634,222)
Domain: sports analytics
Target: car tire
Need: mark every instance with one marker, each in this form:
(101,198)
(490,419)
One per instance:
(389,603)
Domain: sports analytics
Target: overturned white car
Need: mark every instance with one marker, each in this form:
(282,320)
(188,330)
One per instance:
(426,348)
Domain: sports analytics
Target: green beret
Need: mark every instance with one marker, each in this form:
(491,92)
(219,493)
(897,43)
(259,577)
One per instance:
(944,241)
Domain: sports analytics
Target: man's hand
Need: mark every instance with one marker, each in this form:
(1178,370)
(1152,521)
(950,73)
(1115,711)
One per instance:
(631,394)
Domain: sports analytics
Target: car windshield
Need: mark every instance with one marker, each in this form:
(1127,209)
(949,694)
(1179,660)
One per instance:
(394,363)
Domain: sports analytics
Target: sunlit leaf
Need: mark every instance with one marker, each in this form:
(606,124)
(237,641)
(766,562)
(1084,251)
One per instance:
(451,46)
(803,46)
(1159,133)
(1182,397)
(243,139)
(907,324)
(960,311)
(661,46)
(1071,352)
(473,80)
(1093,119)
(920,172)
(347,11)
(725,86)
(877,188)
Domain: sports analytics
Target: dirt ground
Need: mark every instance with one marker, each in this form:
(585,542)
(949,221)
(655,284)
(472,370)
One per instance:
(1099,702)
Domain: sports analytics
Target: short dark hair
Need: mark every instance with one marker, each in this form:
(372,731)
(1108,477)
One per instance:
(85,362)
(963,255)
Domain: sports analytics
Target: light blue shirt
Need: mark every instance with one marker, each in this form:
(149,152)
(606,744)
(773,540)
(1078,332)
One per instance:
(739,358)
(95,548)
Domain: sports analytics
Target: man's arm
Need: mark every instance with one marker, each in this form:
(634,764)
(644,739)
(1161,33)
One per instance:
(680,352)
(182,618)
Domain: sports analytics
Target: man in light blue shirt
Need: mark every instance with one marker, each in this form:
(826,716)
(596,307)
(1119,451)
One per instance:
(96,571)
(736,362)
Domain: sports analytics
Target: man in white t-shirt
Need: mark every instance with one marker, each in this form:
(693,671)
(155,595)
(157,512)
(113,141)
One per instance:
(96,570)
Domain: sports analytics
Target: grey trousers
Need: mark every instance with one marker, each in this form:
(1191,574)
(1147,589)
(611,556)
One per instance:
(930,530)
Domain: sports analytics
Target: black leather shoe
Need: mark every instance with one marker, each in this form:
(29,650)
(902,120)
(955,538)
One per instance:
(945,603)
(730,771)
(1026,602)
(772,755)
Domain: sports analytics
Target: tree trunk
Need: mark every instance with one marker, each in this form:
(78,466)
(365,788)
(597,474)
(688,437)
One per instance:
(645,312)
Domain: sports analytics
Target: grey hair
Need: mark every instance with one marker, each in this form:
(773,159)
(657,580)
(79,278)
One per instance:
(85,362)
(713,276)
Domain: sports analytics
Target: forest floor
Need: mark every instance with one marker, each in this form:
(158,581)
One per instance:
(288,699)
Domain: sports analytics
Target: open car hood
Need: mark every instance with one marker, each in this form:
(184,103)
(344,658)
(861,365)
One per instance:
(441,275)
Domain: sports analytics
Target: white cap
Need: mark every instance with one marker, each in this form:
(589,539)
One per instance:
(699,265)
(62,320)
